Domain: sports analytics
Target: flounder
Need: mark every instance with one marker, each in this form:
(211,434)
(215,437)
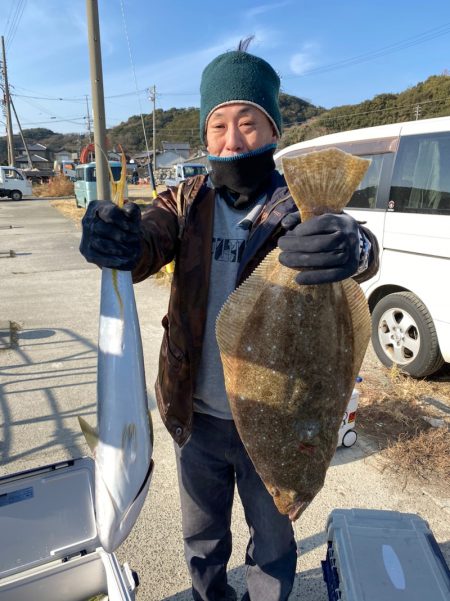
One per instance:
(291,353)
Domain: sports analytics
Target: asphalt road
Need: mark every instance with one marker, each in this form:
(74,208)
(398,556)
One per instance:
(49,378)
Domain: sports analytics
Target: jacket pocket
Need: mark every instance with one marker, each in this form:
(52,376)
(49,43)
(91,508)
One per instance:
(173,375)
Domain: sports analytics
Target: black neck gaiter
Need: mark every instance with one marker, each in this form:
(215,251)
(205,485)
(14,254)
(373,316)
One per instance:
(241,178)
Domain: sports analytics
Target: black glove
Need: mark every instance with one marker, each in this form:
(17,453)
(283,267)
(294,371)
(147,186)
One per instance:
(327,247)
(111,236)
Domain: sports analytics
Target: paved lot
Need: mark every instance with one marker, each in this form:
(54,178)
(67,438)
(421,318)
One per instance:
(49,379)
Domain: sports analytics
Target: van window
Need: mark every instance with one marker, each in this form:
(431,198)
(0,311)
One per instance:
(366,194)
(12,174)
(421,179)
(191,170)
(92,175)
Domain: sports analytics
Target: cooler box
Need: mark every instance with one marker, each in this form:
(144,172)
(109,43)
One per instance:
(383,556)
(49,549)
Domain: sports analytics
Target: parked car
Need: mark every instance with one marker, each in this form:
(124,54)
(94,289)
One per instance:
(405,200)
(13,183)
(183,171)
(85,186)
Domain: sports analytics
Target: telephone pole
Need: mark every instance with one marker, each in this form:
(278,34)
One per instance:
(98,100)
(88,120)
(25,145)
(417,111)
(153,99)
(9,131)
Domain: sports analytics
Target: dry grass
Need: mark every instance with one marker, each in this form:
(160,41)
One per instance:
(57,186)
(69,209)
(393,413)
(424,455)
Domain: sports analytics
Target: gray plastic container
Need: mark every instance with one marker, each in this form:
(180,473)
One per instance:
(378,555)
(49,548)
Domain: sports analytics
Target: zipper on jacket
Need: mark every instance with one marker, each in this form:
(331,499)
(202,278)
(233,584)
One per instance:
(268,213)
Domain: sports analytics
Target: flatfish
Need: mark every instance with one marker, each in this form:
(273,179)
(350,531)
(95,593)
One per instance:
(291,353)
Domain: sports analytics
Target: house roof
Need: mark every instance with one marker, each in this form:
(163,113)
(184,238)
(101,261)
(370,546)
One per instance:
(34,157)
(35,147)
(176,146)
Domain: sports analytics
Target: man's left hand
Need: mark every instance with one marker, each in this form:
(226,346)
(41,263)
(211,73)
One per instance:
(327,247)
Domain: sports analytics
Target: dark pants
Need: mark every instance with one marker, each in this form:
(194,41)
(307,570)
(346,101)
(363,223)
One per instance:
(208,466)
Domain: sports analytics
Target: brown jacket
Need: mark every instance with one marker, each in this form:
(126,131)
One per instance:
(185,234)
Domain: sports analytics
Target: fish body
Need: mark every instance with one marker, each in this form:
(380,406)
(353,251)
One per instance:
(290,355)
(122,444)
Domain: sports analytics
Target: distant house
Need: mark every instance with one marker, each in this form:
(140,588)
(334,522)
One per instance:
(63,155)
(39,162)
(41,156)
(173,153)
(37,148)
(199,159)
(181,149)
(142,158)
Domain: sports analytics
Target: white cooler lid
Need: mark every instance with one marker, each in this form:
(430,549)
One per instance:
(46,514)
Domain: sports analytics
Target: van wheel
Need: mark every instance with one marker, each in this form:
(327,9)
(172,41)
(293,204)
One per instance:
(16,195)
(403,332)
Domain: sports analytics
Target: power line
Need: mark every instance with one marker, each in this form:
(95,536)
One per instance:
(389,49)
(20,7)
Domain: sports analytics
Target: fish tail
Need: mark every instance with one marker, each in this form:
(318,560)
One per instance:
(90,434)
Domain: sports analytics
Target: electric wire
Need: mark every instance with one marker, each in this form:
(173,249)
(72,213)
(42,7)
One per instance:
(136,86)
(13,5)
(383,51)
(20,7)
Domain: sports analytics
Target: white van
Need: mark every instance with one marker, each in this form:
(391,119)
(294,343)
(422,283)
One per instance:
(13,183)
(405,200)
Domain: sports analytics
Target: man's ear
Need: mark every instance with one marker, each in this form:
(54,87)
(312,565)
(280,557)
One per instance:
(274,135)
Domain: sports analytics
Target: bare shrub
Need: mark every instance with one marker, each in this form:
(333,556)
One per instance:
(57,186)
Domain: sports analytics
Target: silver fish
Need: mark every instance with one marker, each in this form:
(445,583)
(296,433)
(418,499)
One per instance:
(122,445)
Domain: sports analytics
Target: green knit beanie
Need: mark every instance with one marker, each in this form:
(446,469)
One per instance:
(237,76)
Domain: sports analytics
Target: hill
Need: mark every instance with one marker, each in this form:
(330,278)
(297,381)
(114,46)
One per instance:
(173,125)
(430,98)
(302,120)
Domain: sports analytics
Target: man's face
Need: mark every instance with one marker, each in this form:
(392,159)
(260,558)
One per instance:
(237,128)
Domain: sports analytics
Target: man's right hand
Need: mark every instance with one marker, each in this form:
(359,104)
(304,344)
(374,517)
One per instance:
(111,236)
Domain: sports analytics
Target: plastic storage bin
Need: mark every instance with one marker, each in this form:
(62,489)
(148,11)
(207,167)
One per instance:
(383,556)
(49,549)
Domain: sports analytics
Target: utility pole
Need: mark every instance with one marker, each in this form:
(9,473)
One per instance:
(98,100)
(88,120)
(417,111)
(9,130)
(25,145)
(153,99)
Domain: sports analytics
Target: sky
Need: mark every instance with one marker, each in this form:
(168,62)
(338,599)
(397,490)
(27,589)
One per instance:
(328,52)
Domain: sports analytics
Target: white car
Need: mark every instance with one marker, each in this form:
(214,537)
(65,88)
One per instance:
(404,199)
(13,183)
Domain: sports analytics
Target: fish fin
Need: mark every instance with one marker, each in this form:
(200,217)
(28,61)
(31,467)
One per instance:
(237,308)
(360,315)
(90,434)
(129,441)
(241,303)
(150,425)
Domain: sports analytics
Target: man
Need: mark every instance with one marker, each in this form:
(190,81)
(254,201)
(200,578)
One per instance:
(218,228)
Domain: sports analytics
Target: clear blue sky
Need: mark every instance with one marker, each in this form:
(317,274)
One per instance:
(330,52)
